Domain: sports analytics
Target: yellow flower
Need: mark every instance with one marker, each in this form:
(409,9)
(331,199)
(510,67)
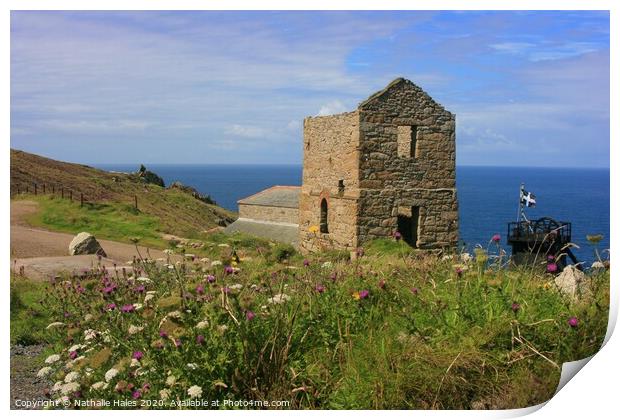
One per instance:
(356,295)
(313,229)
(546,286)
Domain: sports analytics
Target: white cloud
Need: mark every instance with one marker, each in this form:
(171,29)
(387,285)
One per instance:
(246,131)
(333,107)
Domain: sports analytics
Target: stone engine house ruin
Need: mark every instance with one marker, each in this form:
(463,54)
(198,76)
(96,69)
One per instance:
(388,166)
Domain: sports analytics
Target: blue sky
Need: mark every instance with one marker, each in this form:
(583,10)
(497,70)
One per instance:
(528,88)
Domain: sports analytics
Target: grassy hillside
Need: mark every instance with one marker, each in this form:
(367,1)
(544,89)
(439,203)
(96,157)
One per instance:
(110,201)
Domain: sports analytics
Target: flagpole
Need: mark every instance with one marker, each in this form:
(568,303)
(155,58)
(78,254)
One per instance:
(520,210)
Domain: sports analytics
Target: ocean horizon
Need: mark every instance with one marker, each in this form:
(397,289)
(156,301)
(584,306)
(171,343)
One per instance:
(488,195)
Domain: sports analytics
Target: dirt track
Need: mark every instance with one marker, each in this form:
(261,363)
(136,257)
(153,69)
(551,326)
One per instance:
(29,244)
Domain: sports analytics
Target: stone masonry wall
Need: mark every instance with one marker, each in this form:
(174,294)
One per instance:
(269,213)
(388,181)
(330,155)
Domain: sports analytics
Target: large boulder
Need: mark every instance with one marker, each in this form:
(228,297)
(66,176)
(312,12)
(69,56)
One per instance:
(84,244)
(573,283)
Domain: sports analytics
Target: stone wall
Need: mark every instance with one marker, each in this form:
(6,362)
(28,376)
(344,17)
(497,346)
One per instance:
(269,213)
(389,181)
(330,155)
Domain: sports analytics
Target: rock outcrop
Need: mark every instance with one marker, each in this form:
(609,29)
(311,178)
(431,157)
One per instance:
(573,283)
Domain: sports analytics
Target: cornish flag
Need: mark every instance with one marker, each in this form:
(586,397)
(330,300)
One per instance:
(528,199)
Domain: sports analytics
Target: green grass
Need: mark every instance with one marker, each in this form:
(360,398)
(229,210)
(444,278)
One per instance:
(113,221)
(28,317)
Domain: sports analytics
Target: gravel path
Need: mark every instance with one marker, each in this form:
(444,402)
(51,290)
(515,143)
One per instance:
(25,386)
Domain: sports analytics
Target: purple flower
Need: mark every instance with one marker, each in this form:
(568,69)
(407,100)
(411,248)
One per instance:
(200,289)
(496,238)
(552,267)
(573,321)
(211,278)
(550,258)
(459,271)
(333,276)
(163,334)
(228,270)
(415,290)
(226,290)
(73,355)
(319,288)
(200,339)
(111,306)
(306,263)
(359,252)
(397,236)
(128,308)
(249,315)
(137,355)
(364,294)
(136,394)
(177,343)
(515,307)
(381,284)
(111,287)
(139,289)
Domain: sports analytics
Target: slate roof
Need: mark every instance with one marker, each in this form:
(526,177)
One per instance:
(276,196)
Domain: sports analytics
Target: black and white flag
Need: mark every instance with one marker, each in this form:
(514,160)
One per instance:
(527,198)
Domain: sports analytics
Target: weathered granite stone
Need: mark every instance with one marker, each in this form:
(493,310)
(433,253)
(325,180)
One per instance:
(573,283)
(84,243)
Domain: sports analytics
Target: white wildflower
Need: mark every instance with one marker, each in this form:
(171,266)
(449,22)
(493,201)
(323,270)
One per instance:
(75,347)
(72,377)
(164,394)
(597,265)
(69,388)
(170,267)
(110,374)
(222,328)
(279,298)
(57,386)
(52,359)
(99,385)
(171,380)
(134,363)
(327,264)
(192,366)
(202,324)
(43,372)
(144,280)
(236,286)
(88,317)
(175,315)
(54,325)
(168,251)
(466,257)
(194,391)
(69,365)
(137,306)
(134,329)
(90,334)
(204,260)
(89,371)
(215,263)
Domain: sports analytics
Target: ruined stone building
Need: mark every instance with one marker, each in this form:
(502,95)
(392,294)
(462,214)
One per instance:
(387,166)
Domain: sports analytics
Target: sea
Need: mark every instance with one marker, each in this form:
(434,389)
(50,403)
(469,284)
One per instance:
(488,196)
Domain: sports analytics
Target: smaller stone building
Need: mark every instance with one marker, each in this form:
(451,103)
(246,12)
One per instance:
(272,213)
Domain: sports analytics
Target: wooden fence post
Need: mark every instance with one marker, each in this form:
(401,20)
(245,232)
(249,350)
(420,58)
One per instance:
(135,201)
(27,188)
(62,192)
(17,188)
(70,195)
(35,188)
(53,189)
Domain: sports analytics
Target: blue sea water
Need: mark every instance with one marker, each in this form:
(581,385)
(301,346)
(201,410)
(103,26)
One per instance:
(488,196)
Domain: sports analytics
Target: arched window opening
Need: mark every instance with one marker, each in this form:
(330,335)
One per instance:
(324,228)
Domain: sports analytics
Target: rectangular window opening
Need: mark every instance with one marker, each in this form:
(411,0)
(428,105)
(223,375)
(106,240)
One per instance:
(407,138)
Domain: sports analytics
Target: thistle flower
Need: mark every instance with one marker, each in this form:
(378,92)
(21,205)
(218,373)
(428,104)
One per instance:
(496,238)
(110,306)
(163,334)
(139,289)
(200,289)
(573,321)
(415,290)
(200,339)
(397,236)
(515,307)
(306,263)
(363,294)
(552,267)
(73,355)
(319,288)
(137,355)
(128,308)
(136,394)
(228,270)
(210,278)
(249,315)
(177,343)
